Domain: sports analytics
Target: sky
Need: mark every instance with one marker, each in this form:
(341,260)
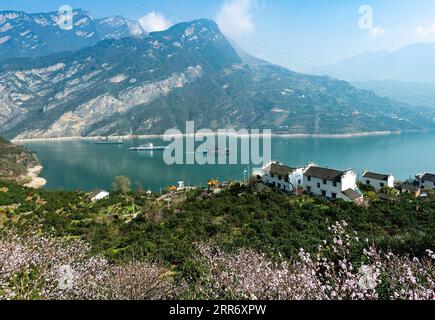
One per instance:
(299,34)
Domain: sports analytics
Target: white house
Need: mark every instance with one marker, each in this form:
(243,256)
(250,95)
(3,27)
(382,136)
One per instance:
(277,175)
(331,183)
(181,186)
(377,180)
(425,181)
(98,195)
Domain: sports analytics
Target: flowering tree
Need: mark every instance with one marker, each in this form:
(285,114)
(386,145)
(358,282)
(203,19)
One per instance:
(329,274)
(138,281)
(37,266)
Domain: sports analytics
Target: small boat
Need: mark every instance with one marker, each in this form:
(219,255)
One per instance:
(107,141)
(148,147)
(217,151)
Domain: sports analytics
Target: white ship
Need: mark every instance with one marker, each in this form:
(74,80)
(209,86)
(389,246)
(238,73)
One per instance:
(148,147)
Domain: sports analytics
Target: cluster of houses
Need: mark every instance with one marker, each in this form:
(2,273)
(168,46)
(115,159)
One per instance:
(334,184)
(317,181)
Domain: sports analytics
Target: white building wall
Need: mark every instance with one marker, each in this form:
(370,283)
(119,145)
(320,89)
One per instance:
(102,195)
(348,181)
(317,187)
(282,184)
(297,178)
(379,184)
(427,185)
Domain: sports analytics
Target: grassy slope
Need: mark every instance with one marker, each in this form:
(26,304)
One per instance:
(266,221)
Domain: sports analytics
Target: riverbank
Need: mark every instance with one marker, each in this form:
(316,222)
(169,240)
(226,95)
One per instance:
(144,137)
(36,182)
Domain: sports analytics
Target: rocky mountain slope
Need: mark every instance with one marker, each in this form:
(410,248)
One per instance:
(15,160)
(38,34)
(189,72)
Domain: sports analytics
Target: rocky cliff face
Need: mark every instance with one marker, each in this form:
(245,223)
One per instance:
(15,162)
(190,72)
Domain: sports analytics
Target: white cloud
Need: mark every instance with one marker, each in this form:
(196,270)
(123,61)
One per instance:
(154,21)
(235,17)
(426,33)
(376,32)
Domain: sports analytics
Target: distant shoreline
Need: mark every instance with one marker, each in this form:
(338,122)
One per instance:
(154,136)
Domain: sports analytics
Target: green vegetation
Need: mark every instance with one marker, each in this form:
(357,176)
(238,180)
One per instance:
(14,160)
(228,93)
(166,230)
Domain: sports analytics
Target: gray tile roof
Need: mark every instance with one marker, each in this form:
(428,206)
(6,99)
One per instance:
(281,170)
(95,193)
(376,176)
(324,173)
(352,194)
(428,177)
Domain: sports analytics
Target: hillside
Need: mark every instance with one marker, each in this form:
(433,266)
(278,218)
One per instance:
(15,161)
(200,237)
(189,72)
(417,94)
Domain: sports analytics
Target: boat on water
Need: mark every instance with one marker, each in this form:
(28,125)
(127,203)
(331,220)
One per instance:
(107,141)
(217,151)
(148,147)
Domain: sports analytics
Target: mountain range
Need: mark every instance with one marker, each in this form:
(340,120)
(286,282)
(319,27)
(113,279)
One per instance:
(406,75)
(413,63)
(149,83)
(39,34)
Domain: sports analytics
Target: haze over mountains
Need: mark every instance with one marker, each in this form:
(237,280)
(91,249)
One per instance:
(406,75)
(132,83)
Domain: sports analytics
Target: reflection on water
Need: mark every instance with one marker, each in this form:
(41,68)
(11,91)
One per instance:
(84,165)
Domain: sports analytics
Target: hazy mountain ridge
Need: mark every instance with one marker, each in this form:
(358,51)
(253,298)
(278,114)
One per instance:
(190,72)
(418,94)
(39,34)
(413,63)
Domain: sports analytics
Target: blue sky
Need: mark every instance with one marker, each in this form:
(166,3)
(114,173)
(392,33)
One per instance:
(298,34)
